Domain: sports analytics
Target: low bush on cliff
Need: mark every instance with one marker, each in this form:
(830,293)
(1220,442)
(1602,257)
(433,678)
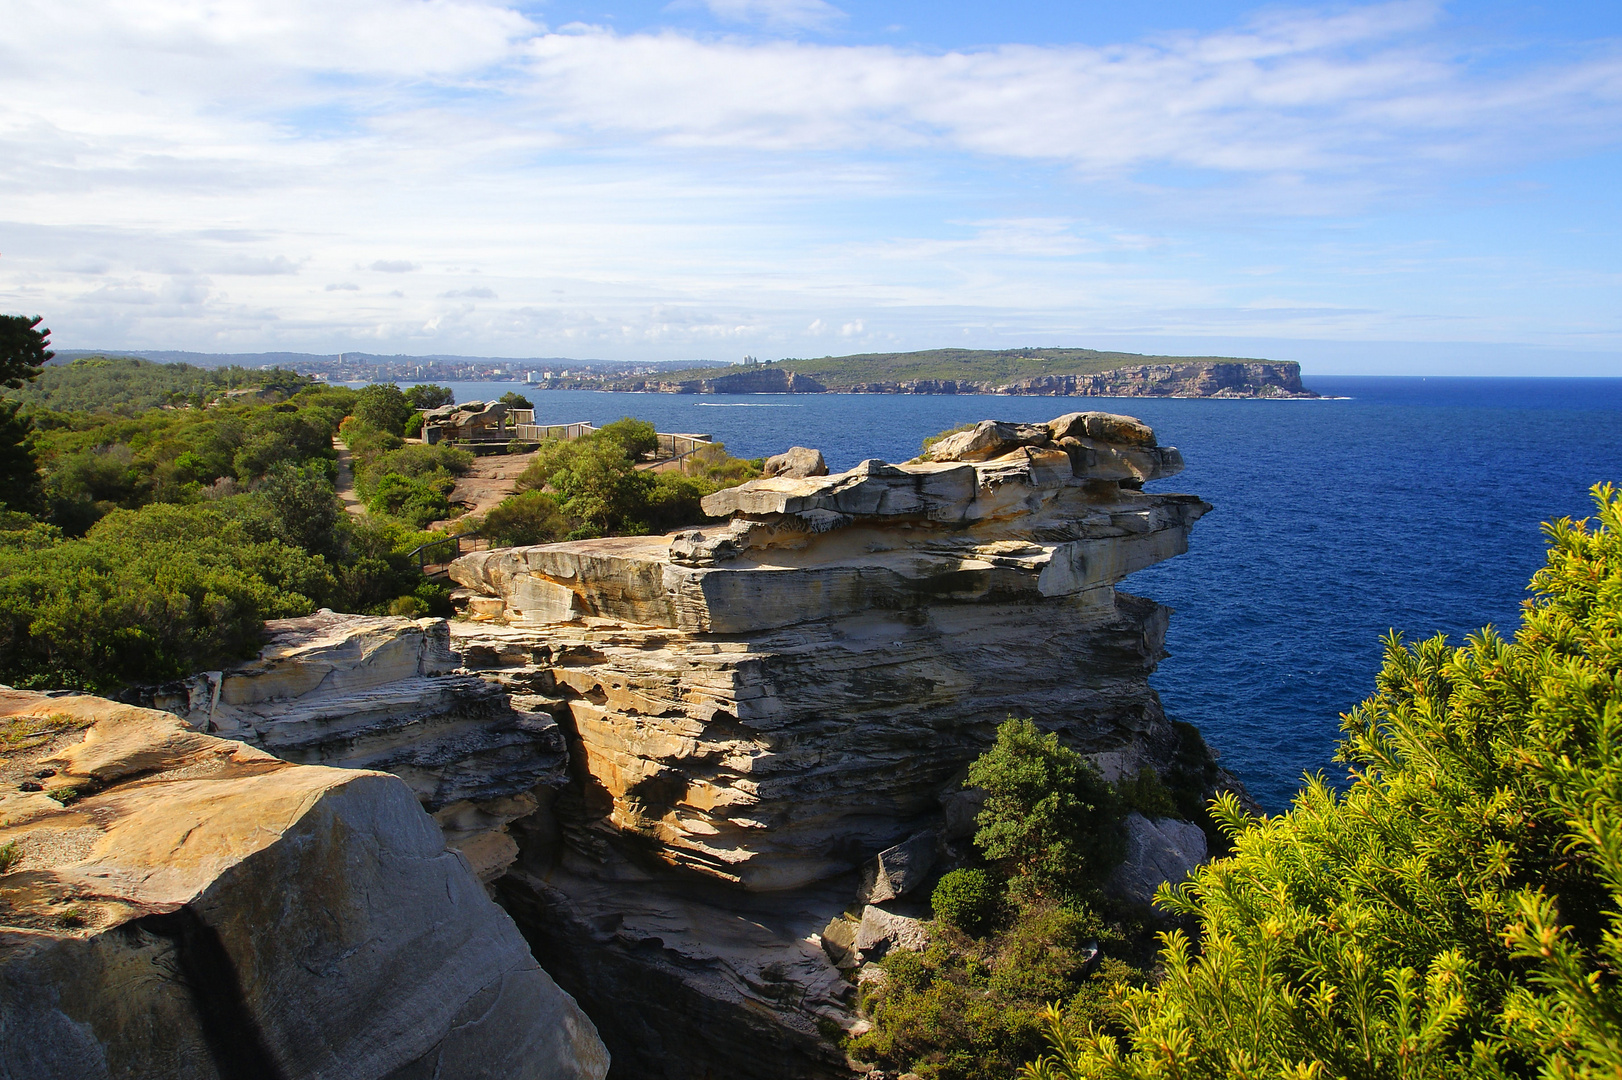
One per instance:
(972,1008)
(1015,935)
(1456,911)
(597,486)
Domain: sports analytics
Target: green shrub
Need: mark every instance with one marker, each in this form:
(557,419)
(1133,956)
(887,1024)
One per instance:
(530,517)
(969,899)
(514,400)
(1147,795)
(967,1009)
(383,407)
(147,595)
(426,396)
(1049,818)
(1457,910)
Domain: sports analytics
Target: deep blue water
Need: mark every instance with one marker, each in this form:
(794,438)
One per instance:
(1412,504)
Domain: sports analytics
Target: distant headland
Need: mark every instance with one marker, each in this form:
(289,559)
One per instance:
(1046,372)
(1043,372)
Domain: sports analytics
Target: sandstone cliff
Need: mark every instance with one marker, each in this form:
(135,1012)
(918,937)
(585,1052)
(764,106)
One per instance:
(174,905)
(385,693)
(754,710)
(1189,379)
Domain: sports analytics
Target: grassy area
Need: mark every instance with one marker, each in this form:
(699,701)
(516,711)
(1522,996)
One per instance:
(975,365)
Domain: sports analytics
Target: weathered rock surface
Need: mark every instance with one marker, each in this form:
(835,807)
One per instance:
(757,709)
(796,463)
(1157,850)
(381,692)
(882,930)
(689,981)
(182,906)
(899,870)
(775,700)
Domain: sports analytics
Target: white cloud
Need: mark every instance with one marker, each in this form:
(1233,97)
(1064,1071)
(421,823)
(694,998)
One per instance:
(666,191)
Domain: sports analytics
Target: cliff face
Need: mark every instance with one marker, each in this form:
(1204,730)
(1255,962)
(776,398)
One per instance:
(181,906)
(384,693)
(754,710)
(1199,379)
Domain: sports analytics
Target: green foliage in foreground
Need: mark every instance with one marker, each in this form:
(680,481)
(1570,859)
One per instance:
(1011,939)
(968,898)
(1457,911)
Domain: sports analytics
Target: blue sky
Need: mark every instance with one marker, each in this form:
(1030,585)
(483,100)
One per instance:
(1407,187)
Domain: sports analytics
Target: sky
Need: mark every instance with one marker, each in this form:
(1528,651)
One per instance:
(1390,188)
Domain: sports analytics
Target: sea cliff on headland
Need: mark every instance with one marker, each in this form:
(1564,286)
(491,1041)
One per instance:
(711,777)
(1040,372)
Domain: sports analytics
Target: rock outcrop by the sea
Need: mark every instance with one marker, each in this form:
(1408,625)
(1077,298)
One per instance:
(382,692)
(758,709)
(183,906)
(1185,379)
(796,463)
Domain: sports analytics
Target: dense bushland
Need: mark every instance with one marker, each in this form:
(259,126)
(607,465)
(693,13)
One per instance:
(152,522)
(138,545)
(1457,910)
(126,385)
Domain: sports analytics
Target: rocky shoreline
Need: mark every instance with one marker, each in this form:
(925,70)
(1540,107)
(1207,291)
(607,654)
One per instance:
(709,777)
(1238,379)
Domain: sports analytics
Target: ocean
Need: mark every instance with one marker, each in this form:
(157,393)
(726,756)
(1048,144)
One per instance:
(1411,504)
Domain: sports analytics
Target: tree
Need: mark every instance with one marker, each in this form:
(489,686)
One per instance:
(306,508)
(382,407)
(23,352)
(19,470)
(1049,818)
(1457,911)
(515,400)
(425,396)
(531,517)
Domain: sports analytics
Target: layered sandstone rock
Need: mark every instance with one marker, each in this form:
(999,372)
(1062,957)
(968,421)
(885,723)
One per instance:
(385,693)
(182,906)
(754,710)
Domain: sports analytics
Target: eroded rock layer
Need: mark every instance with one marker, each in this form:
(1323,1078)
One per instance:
(386,693)
(755,710)
(182,906)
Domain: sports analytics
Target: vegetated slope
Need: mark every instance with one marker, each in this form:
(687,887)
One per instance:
(978,365)
(128,384)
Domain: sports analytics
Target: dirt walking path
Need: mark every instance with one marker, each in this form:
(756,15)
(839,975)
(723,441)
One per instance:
(346,480)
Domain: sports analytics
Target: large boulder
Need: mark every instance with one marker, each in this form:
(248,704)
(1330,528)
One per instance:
(898,870)
(796,463)
(187,907)
(882,931)
(1157,850)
